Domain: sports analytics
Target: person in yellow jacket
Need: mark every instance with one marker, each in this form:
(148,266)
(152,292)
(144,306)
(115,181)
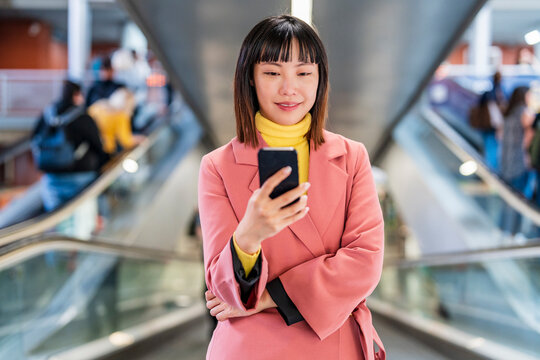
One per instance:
(113,118)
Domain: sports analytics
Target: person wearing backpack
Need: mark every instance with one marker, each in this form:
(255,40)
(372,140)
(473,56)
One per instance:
(487,118)
(67,147)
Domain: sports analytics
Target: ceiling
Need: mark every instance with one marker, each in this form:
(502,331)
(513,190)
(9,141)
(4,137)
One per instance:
(381,53)
(512,19)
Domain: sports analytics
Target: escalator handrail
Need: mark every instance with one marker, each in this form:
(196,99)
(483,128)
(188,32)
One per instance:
(465,152)
(16,149)
(22,249)
(110,173)
(467,257)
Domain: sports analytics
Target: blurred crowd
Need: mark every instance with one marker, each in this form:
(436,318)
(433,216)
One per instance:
(510,129)
(79,133)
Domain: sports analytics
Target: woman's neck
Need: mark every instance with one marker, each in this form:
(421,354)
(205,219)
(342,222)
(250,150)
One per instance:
(286,134)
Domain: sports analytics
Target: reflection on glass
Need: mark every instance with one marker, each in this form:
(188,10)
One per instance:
(496,300)
(60,299)
(484,206)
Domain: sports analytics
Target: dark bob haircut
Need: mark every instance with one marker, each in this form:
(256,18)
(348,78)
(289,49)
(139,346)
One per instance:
(270,41)
(517,99)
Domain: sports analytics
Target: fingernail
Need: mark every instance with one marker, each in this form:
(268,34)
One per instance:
(304,197)
(288,169)
(306,185)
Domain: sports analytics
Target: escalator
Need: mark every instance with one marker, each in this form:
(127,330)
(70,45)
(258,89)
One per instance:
(462,246)
(477,305)
(64,298)
(114,266)
(114,205)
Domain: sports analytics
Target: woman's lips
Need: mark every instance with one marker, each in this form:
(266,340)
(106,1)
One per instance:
(287,106)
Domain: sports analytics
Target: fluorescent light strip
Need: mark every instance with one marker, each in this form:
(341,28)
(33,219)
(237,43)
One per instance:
(533,37)
(302,9)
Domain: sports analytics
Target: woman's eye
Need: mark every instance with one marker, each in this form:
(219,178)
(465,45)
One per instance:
(271,73)
(305,74)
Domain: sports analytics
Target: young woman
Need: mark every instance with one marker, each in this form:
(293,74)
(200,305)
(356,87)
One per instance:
(516,138)
(289,282)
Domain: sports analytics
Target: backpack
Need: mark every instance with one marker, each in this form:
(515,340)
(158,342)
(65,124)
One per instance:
(479,117)
(51,148)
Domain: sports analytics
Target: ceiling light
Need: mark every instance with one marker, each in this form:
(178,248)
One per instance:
(130,166)
(532,37)
(302,9)
(121,339)
(468,168)
(476,343)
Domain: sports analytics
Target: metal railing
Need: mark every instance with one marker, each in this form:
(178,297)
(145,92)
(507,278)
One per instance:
(465,152)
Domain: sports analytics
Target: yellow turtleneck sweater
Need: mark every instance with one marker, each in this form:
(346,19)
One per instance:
(277,135)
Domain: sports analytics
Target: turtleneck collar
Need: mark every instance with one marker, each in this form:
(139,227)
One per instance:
(282,135)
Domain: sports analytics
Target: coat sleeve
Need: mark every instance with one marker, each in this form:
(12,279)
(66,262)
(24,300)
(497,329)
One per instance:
(218,223)
(327,289)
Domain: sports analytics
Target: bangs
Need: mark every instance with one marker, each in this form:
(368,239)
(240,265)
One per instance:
(278,42)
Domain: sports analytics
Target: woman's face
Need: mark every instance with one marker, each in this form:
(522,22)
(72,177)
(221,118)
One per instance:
(286,91)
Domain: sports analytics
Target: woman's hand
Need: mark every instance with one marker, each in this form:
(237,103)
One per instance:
(223,311)
(266,217)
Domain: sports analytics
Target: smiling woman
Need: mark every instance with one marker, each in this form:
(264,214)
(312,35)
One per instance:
(289,281)
(292,52)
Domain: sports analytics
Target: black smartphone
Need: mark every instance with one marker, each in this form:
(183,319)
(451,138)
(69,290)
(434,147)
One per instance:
(273,159)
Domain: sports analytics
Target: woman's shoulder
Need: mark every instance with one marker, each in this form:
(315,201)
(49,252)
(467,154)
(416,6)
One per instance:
(338,142)
(220,155)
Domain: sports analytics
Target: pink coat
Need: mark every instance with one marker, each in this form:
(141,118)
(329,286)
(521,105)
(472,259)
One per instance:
(328,262)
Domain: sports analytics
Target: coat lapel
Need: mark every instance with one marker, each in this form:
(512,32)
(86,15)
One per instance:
(328,183)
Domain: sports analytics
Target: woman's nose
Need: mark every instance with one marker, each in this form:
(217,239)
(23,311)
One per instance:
(288,86)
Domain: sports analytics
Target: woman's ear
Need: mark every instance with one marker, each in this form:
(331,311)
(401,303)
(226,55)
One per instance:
(251,83)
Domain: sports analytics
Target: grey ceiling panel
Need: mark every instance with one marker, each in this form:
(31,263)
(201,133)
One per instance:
(381,53)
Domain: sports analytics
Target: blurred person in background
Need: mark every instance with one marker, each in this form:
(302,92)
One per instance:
(132,69)
(517,119)
(516,135)
(67,121)
(105,85)
(113,117)
(494,103)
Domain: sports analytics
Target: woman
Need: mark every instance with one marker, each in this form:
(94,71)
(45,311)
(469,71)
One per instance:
(517,120)
(516,136)
(289,282)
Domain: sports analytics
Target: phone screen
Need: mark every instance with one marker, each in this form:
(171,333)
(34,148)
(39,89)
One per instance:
(271,160)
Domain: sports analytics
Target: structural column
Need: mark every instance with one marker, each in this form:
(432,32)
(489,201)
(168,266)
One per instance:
(79,38)
(480,42)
